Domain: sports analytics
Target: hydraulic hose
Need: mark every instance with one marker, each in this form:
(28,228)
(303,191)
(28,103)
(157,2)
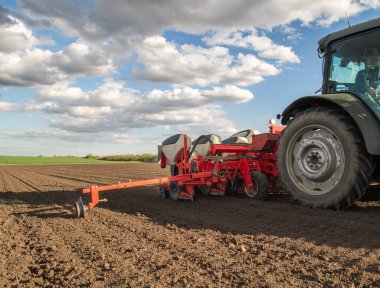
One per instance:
(196,143)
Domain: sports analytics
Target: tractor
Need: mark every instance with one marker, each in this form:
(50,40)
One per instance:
(328,153)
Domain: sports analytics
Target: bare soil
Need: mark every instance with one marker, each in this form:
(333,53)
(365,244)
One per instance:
(138,239)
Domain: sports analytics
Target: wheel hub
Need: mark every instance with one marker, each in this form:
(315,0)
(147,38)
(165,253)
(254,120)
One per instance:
(314,159)
(317,160)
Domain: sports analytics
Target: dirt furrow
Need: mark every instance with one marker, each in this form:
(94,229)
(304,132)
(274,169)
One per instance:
(3,182)
(44,182)
(14,184)
(73,179)
(22,180)
(119,172)
(93,178)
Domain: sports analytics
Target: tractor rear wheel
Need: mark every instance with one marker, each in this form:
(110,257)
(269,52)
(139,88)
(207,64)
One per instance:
(322,159)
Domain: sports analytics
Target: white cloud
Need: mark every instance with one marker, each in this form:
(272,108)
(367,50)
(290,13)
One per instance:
(109,93)
(291,32)
(78,58)
(264,45)
(204,119)
(165,62)
(107,136)
(7,106)
(249,70)
(230,93)
(23,64)
(112,107)
(148,18)
(34,66)
(183,97)
(15,35)
(28,68)
(188,64)
(15,107)
(58,91)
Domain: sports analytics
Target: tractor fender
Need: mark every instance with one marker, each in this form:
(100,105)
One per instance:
(361,114)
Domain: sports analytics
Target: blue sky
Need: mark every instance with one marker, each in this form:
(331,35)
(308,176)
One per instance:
(117,77)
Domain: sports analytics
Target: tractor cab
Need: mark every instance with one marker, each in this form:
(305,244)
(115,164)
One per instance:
(353,65)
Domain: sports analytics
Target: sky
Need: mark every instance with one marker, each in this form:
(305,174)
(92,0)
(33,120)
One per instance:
(119,77)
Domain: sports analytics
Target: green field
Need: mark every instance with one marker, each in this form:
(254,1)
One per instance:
(53,160)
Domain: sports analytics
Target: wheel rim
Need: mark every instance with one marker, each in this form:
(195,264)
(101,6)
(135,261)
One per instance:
(315,160)
(252,191)
(79,209)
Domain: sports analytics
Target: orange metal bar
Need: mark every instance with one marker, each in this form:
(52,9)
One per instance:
(130,184)
(94,190)
(183,178)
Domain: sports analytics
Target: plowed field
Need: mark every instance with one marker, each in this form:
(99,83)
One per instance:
(137,239)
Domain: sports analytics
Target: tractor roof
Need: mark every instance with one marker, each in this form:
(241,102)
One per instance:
(371,24)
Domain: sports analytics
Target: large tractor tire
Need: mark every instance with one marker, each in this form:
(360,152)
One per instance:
(322,159)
